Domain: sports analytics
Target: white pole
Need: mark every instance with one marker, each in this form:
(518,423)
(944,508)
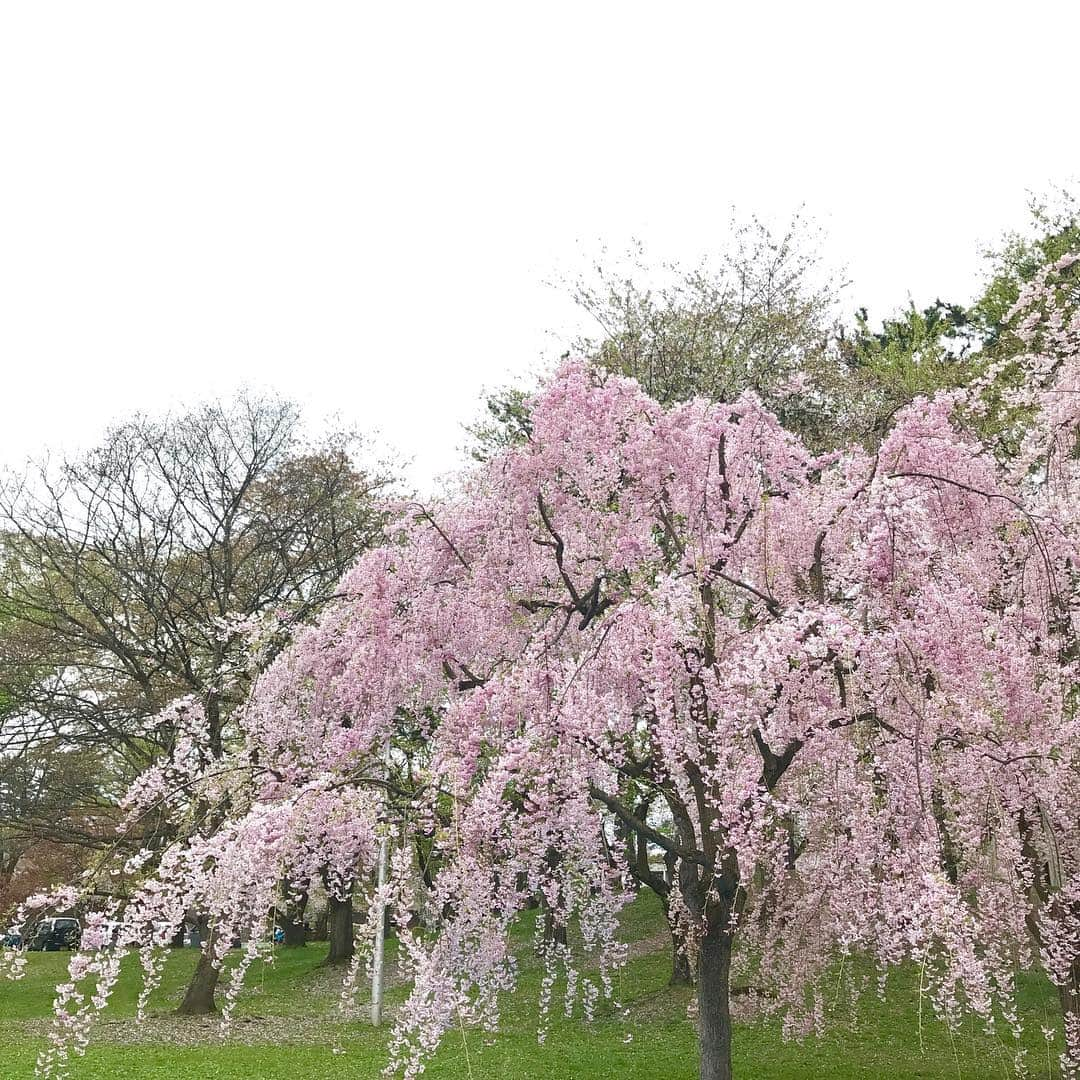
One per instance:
(377,961)
(380,933)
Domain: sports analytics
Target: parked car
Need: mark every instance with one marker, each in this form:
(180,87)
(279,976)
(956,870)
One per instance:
(12,938)
(52,935)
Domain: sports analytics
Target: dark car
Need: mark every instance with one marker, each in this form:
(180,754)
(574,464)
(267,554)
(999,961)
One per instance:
(52,935)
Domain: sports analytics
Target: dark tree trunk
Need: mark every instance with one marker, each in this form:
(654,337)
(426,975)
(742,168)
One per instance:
(553,931)
(199,998)
(714,1004)
(292,923)
(293,935)
(533,901)
(340,925)
(681,972)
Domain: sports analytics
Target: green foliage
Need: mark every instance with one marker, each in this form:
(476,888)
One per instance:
(1016,263)
(1056,232)
(506,423)
(914,353)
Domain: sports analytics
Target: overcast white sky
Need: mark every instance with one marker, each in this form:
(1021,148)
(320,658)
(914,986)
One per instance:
(358,204)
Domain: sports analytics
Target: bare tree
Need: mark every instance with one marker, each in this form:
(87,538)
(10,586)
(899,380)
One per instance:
(133,574)
(760,314)
(753,316)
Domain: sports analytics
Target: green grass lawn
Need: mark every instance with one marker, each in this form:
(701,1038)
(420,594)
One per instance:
(287,1028)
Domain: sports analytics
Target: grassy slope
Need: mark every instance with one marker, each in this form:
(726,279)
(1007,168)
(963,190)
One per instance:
(284,998)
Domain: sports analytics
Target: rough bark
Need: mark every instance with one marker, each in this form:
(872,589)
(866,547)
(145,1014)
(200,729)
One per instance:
(682,973)
(9,863)
(199,997)
(714,1003)
(340,925)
